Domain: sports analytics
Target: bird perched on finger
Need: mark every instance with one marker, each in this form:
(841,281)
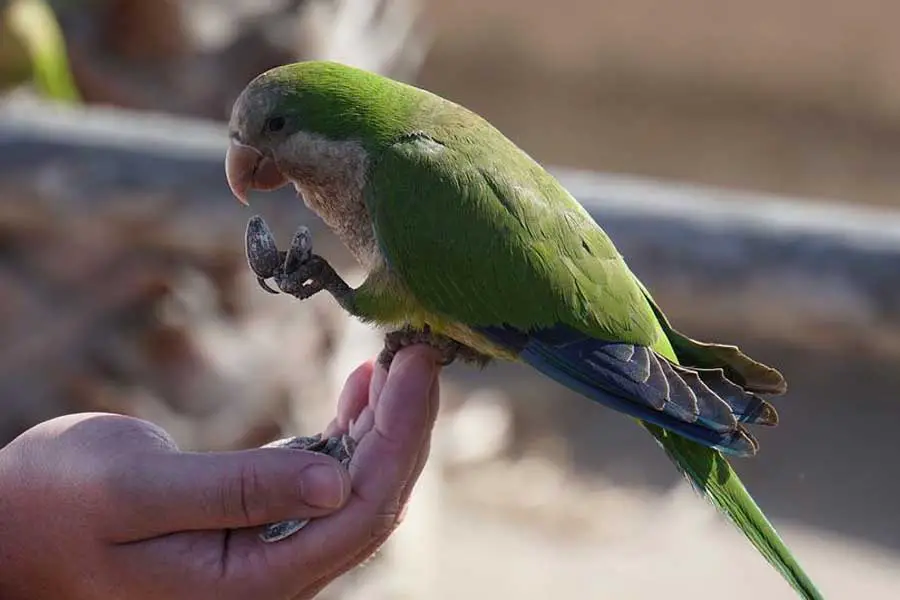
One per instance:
(473,247)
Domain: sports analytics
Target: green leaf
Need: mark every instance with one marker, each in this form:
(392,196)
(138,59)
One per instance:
(35,24)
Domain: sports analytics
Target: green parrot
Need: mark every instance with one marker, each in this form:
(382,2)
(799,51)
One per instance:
(473,247)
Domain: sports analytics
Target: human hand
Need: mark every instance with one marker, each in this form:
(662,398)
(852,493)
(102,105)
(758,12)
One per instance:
(99,506)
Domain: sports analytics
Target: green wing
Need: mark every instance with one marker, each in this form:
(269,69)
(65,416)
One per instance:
(484,236)
(500,247)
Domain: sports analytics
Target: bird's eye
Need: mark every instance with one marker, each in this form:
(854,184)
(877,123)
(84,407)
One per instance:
(275,124)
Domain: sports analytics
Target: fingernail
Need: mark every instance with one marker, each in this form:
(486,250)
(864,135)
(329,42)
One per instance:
(323,486)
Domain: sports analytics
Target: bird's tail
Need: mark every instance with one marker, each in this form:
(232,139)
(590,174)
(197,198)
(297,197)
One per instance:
(708,470)
(712,476)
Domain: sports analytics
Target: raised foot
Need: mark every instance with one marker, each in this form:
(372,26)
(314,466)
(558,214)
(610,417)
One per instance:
(340,448)
(296,271)
(449,349)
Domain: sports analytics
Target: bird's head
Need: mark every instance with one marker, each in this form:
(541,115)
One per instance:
(263,118)
(326,101)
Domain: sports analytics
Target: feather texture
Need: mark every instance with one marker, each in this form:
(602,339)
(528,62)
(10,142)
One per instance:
(701,405)
(495,247)
(484,245)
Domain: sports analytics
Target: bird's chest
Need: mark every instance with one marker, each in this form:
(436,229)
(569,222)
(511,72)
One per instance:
(330,176)
(344,211)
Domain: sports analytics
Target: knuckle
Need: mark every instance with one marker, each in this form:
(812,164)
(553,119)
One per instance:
(109,473)
(385,516)
(383,525)
(110,481)
(242,495)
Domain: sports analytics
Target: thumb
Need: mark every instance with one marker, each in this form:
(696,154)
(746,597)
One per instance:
(166,492)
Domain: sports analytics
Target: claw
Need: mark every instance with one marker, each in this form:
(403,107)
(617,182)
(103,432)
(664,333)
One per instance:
(264,285)
(296,272)
(262,251)
(304,279)
(450,350)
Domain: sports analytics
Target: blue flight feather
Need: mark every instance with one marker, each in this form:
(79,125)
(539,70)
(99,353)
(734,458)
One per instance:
(699,404)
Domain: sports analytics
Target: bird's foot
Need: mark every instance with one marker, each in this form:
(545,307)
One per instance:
(297,271)
(449,349)
(340,448)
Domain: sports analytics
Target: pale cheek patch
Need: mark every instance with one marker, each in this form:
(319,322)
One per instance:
(330,175)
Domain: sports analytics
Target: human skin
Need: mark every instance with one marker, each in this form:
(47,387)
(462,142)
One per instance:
(98,506)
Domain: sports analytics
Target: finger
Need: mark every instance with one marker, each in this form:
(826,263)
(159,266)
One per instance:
(375,544)
(366,419)
(376,384)
(89,436)
(355,395)
(402,419)
(425,452)
(363,424)
(383,462)
(353,399)
(157,493)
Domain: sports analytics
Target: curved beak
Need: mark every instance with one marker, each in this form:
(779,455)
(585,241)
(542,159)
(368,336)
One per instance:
(247,169)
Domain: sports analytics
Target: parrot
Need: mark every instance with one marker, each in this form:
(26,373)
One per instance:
(471,246)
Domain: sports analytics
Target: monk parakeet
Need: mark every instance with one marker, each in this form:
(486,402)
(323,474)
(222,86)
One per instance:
(471,246)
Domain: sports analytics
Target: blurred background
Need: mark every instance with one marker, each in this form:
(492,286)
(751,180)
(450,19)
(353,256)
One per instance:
(743,155)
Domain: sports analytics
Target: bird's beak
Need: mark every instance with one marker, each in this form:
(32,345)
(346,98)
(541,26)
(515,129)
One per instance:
(247,169)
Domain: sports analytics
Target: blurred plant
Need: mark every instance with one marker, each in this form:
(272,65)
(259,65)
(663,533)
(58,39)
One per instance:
(34,24)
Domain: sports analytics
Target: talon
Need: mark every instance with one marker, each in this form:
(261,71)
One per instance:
(305,279)
(261,248)
(386,357)
(450,350)
(296,272)
(265,285)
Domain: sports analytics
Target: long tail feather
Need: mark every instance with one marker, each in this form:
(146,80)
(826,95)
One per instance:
(637,382)
(712,476)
